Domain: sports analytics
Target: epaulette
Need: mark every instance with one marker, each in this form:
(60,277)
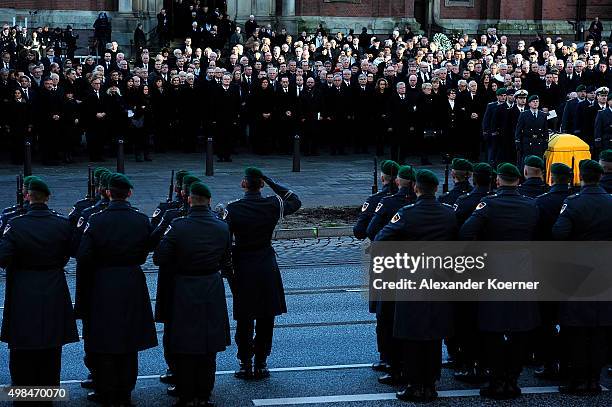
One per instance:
(448,206)
(59,215)
(576,195)
(233,201)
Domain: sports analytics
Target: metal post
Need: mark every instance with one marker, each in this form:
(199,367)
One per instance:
(210,171)
(296,153)
(120,157)
(375,179)
(27,162)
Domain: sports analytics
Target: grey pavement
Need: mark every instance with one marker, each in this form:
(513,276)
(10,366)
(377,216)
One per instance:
(323,180)
(322,346)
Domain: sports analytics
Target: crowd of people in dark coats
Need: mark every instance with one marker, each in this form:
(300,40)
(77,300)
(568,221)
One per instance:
(398,93)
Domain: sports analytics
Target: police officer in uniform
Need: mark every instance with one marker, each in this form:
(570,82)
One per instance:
(388,172)
(164,278)
(258,288)
(194,250)
(461,170)
(420,326)
(38,318)
(533,171)
(605,160)
(176,203)
(505,215)
(531,135)
(115,243)
(585,324)
(79,206)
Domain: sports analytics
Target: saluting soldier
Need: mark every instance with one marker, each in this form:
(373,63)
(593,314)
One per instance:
(176,202)
(605,160)
(603,126)
(420,326)
(115,243)
(75,213)
(259,295)
(38,318)
(505,215)
(585,324)
(531,135)
(533,171)
(195,251)
(165,287)
(461,170)
(388,172)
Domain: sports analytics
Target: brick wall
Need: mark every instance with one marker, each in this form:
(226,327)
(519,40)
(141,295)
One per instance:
(359,8)
(90,5)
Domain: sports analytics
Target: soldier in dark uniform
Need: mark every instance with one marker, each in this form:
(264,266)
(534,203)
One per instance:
(387,207)
(588,121)
(16,210)
(165,287)
(258,288)
(79,206)
(38,318)
(420,326)
(461,170)
(469,363)
(388,172)
(603,126)
(176,203)
(489,132)
(116,241)
(533,171)
(531,135)
(605,160)
(584,324)
(193,250)
(546,338)
(568,121)
(505,215)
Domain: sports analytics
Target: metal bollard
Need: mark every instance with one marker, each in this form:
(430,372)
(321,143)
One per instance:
(210,170)
(296,153)
(120,157)
(27,162)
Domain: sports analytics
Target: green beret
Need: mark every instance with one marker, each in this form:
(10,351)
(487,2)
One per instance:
(119,181)
(426,177)
(508,170)
(188,180)
(389,167)
(253,172)
(560,169)
(179,176)
(534,161)
(105,178)
(500,91)
(590,167)
(38,185)
(580,88)
(98,171)
(406,172)
(198,188)
(483,169)
(605,155)
(532,98)
(461,164)
(28,179)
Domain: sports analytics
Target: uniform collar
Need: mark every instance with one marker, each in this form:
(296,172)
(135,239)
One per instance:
(252,195)
(592,189)
(507,190)
(426,198)
(38,209)
(479,190)
(463,185)
(119,205)
(559,188)
(533,181)
(201,210)
(405,191)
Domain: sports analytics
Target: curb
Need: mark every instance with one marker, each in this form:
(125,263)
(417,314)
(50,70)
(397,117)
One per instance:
(312,232)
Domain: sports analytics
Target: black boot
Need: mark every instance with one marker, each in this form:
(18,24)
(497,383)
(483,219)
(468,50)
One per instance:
(167,378)
(245,372)
(261,370)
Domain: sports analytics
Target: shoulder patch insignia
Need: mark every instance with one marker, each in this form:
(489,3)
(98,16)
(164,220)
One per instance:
(156,213)
(167,230)
(72,211)
(563,208)
(365,206)
(6,229)
(481,205)
(395,218)
(80,222)
(378,206)
(455,206)
(86,227)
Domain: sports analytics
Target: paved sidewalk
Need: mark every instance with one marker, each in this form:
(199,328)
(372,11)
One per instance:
(323,180)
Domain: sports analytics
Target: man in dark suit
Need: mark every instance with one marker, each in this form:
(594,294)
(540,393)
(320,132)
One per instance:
(489,133)
(568,121)
(336,113)
(603,126)
(362,96)
(580,110)
(285,114)
(225,118)
(96,121)
(475,106)
(589,114)
(50,115)
(531,135)
(309,113)
(400,110)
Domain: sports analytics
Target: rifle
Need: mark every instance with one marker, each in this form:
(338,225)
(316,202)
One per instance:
(375,185)
(171,188)
(446,158)
(20,191)
(90,192)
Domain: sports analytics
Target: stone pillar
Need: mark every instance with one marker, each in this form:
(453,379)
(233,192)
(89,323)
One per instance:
(288,8)
(125,6)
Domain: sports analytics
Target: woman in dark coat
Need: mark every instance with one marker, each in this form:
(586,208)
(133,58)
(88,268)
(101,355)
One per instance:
(263,104)
(159,99)
(380,100)
(18,125)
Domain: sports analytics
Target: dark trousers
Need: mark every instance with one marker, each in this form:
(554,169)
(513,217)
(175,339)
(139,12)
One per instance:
(546,337)
(505,353)
(168,356)
(466,345)
(310,137)
(224,140)
(115,376)
(422,361)
(587,349)
(39,367)
(388,345)
(259,345)
(195,375)
(87,360)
